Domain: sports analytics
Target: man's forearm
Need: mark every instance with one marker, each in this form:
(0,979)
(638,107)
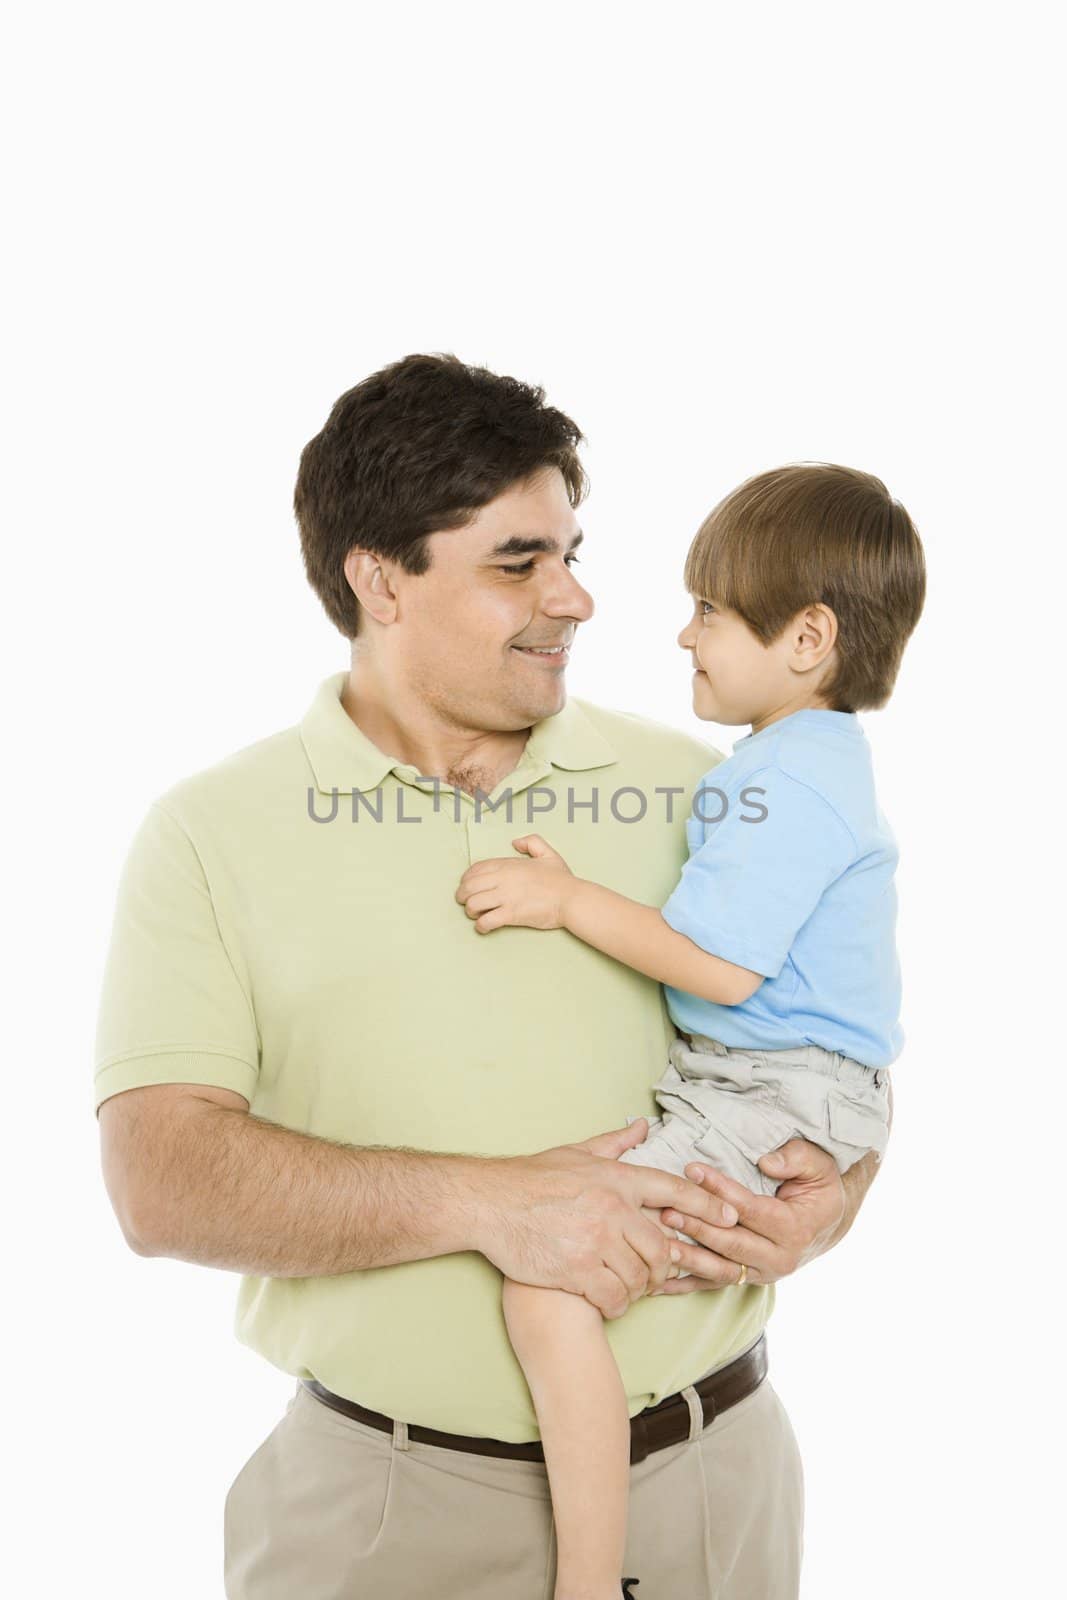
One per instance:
(228,1189)
(855,1182)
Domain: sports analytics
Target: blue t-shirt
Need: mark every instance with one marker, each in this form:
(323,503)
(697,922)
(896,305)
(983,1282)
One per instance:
(790,874)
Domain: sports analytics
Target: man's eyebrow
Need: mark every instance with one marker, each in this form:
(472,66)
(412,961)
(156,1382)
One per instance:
(517,545)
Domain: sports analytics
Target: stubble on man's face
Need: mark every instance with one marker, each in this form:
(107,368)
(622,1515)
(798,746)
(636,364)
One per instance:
(475,616)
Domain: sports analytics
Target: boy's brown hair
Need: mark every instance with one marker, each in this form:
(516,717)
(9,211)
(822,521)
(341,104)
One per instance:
(813,533)
(420,446)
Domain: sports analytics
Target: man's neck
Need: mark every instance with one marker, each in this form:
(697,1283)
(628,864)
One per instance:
(405,726)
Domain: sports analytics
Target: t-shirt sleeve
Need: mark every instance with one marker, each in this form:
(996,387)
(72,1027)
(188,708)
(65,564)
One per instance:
(747,891)
(172,1007)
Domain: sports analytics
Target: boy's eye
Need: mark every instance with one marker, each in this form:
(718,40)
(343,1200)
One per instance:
(706,608)
(527,566)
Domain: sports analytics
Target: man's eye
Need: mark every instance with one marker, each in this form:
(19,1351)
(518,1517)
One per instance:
(527,566)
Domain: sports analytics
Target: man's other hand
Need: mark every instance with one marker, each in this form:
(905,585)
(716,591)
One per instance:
(775,1235)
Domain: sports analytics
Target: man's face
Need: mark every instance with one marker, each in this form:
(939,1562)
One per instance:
(497,592)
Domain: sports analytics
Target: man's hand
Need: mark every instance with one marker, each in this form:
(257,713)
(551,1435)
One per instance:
(505,893)
(776,1234)
(577,1218)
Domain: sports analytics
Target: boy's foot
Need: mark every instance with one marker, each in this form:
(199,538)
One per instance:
(627,1592)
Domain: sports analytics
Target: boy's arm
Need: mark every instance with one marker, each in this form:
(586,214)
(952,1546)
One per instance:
(639,937)
(542,892)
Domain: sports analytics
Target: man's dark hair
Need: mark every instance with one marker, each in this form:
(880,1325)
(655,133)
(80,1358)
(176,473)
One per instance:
(421,446)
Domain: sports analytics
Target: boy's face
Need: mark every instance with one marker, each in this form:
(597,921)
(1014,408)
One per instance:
(738,678)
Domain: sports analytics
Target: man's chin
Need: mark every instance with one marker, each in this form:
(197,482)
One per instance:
(551,699)
(551,709)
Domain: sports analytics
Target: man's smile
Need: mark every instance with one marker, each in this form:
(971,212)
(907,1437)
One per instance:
(554,655)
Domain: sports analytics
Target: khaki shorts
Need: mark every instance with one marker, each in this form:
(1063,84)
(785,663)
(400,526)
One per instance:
(727,1107)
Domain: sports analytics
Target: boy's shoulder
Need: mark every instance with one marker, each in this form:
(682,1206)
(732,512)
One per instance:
(833,764)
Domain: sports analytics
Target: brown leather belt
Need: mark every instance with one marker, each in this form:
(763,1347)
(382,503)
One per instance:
(653,1429)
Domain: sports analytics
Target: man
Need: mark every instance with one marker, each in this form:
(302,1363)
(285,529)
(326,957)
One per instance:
(312,1070)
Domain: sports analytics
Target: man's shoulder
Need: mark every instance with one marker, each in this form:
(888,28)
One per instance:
(641,740)
(239,784)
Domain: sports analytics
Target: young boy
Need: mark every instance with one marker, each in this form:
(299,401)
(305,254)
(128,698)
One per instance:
(777,945)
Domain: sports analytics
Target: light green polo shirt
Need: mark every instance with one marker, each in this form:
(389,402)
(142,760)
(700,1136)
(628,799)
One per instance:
(286,927)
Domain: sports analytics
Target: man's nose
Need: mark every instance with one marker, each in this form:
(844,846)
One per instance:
(567,598)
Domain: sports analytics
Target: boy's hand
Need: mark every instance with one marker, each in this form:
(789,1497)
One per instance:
(505,893)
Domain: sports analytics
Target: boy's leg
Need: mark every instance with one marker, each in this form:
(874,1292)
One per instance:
(581,1408)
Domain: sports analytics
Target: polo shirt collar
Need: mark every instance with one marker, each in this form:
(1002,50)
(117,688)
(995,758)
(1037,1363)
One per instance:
(343,758)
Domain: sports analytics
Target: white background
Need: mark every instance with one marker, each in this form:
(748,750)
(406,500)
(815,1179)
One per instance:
(722,237)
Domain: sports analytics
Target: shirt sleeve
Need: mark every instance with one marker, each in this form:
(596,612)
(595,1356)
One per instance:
(746,892)
(172,1009)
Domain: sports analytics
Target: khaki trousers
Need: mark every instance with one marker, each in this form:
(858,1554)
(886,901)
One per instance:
(329,1509)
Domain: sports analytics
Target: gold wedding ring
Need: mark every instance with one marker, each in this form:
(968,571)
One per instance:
(744,1275)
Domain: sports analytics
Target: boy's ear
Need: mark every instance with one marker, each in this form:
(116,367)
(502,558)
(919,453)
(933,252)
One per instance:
(814,632)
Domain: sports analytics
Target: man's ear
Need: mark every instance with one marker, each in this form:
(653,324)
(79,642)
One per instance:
(814,633)
(370,579)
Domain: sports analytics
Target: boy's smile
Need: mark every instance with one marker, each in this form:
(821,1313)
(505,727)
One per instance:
(738,679)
